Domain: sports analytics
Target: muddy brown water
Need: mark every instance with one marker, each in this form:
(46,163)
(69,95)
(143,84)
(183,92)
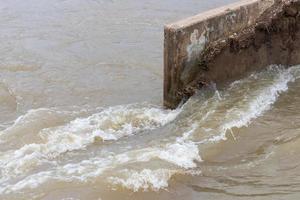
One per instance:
(81,115)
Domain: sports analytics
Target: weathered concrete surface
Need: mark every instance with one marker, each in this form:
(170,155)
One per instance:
(224,44)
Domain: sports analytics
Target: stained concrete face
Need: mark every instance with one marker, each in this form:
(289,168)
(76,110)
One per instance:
(201,49)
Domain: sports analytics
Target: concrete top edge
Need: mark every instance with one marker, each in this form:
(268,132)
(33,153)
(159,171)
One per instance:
(210,14)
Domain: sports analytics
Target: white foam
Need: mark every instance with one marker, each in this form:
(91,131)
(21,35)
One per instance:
(35,120)
(184,152)
(83,171)
(179,155)
(260,102)
(110,124)
(146,179)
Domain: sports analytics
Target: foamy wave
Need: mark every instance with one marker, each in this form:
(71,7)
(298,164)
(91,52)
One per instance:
(116,122)
(81,172)
(133,169)
(29,182)
(34,121)
(183,152)
(109,124)
(261,100)
(146,179)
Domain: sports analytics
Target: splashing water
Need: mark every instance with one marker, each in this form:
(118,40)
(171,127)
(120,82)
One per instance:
(138,147)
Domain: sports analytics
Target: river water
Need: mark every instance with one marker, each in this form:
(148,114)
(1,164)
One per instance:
(81,115)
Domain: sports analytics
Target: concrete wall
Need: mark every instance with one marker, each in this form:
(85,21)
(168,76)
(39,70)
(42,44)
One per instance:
(186,39)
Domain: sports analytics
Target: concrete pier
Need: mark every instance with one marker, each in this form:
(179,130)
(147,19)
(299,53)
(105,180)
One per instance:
(223,44)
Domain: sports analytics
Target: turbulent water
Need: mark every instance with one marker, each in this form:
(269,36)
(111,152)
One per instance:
(81,115)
